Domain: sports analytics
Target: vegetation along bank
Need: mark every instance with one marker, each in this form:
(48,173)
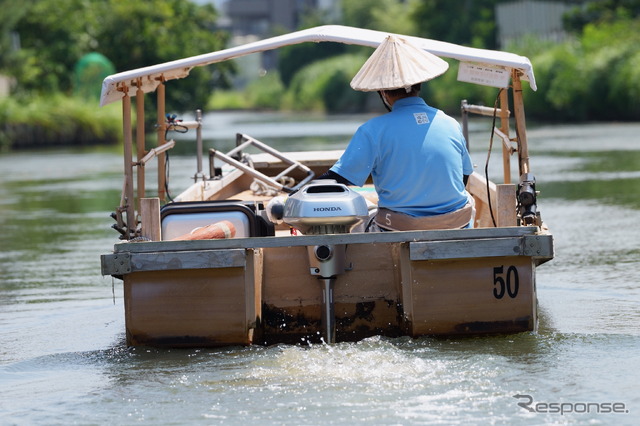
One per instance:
(51,94)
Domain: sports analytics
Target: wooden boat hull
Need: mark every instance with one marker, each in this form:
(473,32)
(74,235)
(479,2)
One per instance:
(260,290)
(263,286)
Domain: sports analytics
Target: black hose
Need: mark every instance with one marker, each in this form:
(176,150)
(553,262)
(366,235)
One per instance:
(486,166)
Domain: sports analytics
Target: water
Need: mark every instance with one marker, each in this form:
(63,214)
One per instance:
(63,359)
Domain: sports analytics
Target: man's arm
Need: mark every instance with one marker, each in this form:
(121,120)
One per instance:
(329,174)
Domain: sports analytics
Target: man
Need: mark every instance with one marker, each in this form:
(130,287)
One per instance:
(415,154)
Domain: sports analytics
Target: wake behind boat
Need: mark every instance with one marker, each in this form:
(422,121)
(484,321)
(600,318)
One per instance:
(258,251)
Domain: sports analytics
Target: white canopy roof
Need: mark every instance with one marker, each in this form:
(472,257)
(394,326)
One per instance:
(150,77)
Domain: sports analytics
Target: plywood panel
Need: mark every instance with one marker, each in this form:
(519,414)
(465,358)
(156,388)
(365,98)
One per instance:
(485,295)
(366,296)
(193,307)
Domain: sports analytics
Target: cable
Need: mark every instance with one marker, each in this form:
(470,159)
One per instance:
(172,125)
(486,166)
(166,177)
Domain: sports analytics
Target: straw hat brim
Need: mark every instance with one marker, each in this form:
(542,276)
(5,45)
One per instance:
(397,63)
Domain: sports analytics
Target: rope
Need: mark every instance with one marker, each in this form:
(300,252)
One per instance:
(261,188)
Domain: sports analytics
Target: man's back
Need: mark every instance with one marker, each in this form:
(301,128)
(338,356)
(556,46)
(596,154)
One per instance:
(416,156)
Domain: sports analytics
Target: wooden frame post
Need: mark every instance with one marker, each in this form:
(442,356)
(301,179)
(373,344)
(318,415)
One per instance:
(129,201)
(506,205)
(504,128)
(140,148)
(161,130)
(521,132)
(150,218)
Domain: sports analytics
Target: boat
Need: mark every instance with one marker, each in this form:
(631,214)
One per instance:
(284,259)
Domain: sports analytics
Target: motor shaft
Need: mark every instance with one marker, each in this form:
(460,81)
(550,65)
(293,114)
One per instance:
(328,313)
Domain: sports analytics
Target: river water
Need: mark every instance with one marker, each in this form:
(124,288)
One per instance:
(63,359)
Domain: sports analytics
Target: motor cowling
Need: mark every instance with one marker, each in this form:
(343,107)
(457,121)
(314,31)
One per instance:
(325,207)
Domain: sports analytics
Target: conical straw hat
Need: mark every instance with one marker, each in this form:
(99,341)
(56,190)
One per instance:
(396,63)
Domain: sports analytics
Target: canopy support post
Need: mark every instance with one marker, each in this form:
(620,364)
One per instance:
(504,128)
(129,201)
(140,140)
(518,109)
(161,125)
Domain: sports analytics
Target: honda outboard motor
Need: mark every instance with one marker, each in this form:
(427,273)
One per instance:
(326,207)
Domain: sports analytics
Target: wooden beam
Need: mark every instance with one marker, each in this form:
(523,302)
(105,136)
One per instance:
(161,130)
(504,128)
(140,139)
(313,240)
(253,281)
(150,217)
(128,165)
(506,195)
(521,125)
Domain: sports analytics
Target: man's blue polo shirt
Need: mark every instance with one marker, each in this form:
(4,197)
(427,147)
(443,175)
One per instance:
(416,156)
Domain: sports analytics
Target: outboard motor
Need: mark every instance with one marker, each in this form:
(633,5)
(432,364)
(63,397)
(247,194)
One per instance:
(326,207)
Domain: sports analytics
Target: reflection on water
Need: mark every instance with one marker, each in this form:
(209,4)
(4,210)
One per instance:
(63,356)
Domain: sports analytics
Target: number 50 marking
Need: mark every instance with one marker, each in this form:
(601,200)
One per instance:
(509,282)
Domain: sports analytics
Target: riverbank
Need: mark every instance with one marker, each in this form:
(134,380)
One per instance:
(57,120)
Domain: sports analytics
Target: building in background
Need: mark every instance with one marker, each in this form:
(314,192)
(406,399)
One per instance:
(258,19)
(250,20)
(519,19)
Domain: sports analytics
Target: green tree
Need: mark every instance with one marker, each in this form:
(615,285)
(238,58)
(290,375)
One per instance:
(55,34)
(140,33)
(600,11)
(12,13)
(371,14)
(324,86)
(467,22)
(383,15)
(591,77)
(292,59)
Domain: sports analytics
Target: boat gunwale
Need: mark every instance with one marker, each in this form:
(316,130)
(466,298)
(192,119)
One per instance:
(168,255)
(312,240)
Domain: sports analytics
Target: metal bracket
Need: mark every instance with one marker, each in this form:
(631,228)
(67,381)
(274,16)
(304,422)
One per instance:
(537,245)
(116,264)
(121,263)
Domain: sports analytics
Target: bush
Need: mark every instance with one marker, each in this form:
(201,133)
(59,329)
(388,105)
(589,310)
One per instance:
(591,78)
(227,99)
(324,86)
(266,92)
(58,120)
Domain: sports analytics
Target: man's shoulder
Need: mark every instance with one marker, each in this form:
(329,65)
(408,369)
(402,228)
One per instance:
(375,122)
(445,118)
